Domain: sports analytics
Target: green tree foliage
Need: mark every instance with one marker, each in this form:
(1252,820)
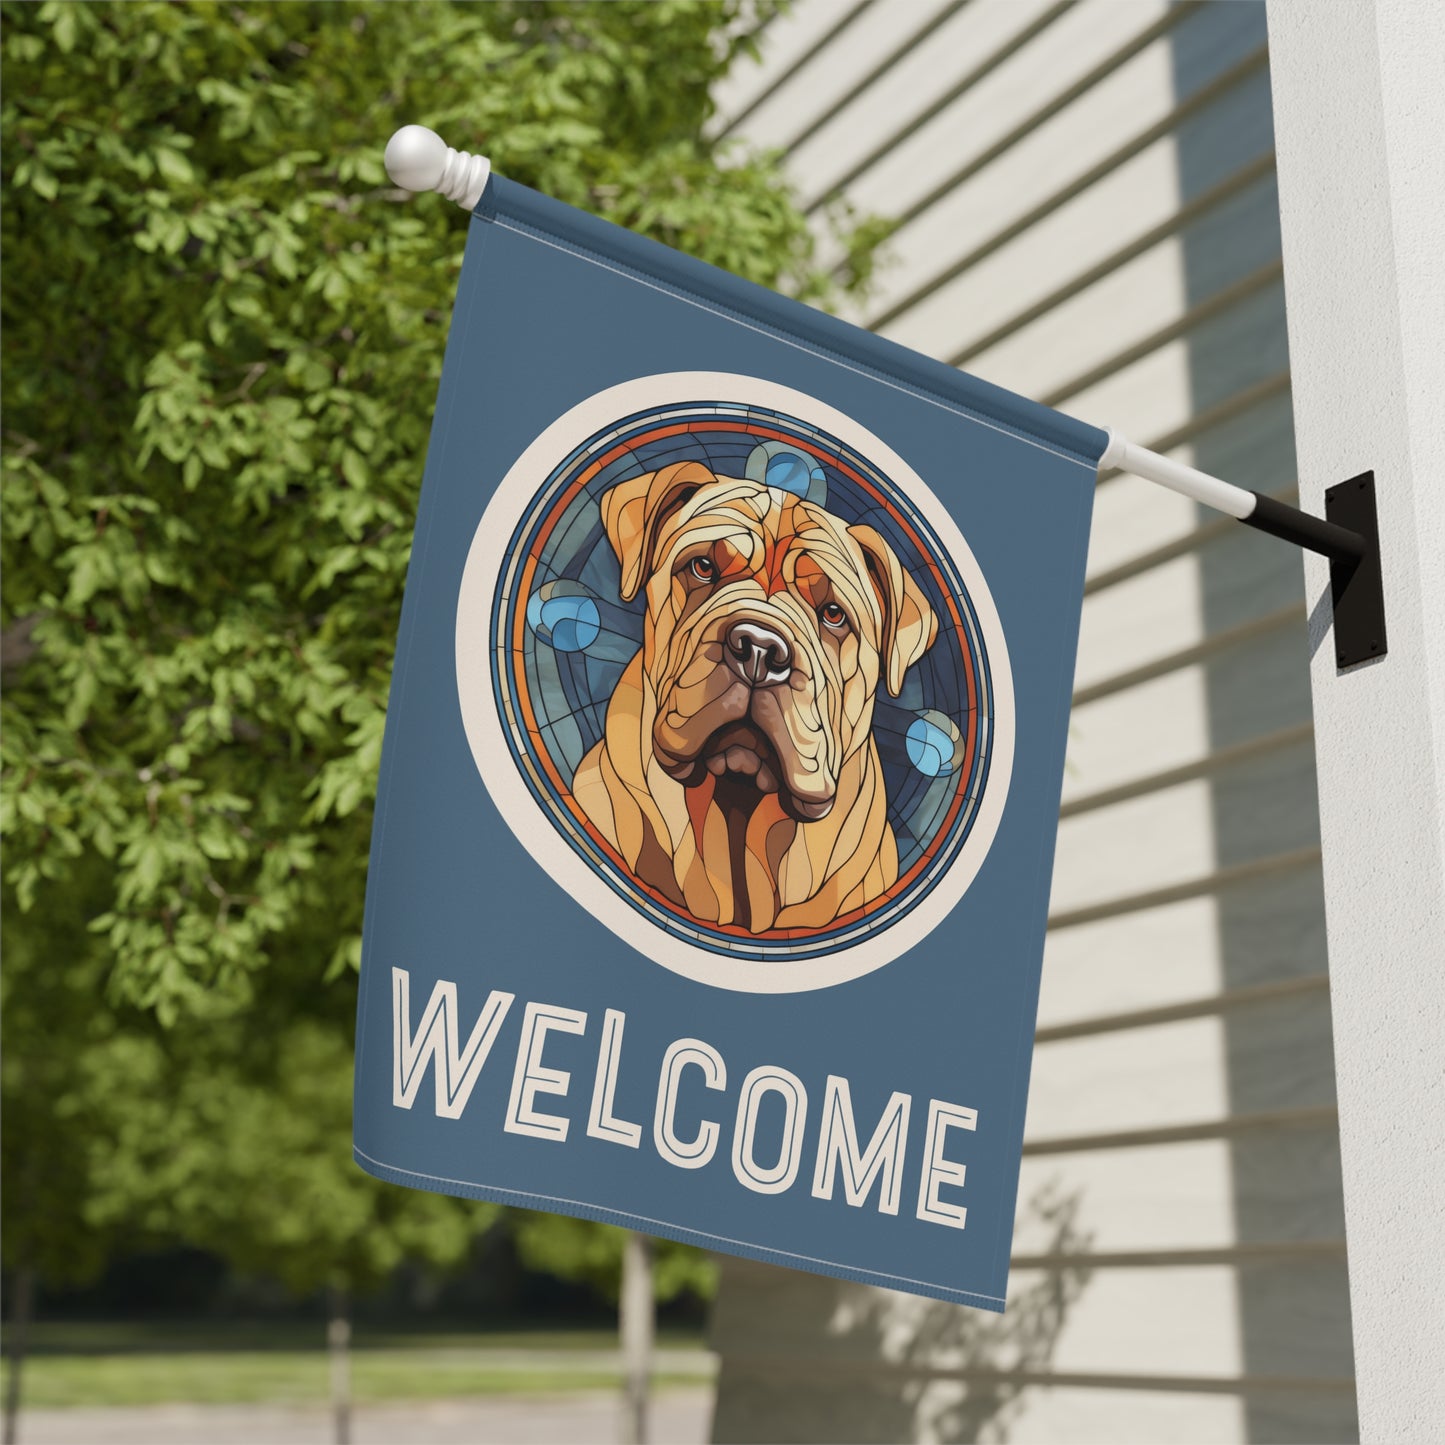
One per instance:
(246,1152)
(50,1024)
(223,330)
(231,1133)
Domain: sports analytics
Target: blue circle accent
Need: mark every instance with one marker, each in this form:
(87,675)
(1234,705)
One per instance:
(789,473)
(568,623)
(930,749)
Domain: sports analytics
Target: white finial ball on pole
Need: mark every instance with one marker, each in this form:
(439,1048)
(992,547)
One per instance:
(418,159)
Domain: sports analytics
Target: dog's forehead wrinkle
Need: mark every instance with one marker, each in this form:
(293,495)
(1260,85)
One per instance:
(704,533)
(721,492)
(764,504)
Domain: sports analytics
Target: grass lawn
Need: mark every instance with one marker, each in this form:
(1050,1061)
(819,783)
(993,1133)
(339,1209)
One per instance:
(122,1365)
(164,1336)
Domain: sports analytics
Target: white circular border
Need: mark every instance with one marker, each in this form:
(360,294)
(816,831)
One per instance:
(537,832)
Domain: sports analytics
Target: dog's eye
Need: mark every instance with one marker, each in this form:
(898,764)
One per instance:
(703,568)
(833,616)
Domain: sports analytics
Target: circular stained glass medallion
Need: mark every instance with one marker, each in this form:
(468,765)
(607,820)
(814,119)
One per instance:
(739,655)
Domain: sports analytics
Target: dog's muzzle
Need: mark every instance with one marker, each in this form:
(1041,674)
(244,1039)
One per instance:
(758,655)
(747,749)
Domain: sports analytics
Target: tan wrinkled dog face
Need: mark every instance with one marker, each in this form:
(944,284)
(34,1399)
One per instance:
(769,626)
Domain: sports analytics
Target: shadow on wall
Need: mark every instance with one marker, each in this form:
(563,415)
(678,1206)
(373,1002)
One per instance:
(916,1369)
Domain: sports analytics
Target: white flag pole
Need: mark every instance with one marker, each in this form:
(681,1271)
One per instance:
(1348,535)
(418,159)
(1253,508)
(1125,456)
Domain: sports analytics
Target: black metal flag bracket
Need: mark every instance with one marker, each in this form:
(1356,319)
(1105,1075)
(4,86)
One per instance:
(1348,534)
(1357,588)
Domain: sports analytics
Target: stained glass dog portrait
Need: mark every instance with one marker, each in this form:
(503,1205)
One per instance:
(738,775)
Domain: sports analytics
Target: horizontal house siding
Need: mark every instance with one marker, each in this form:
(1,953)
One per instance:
(1088,215)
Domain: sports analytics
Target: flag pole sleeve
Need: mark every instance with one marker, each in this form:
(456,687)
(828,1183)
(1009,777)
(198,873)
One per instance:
(418,159)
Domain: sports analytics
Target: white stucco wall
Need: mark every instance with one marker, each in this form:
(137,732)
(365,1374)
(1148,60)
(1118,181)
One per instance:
(1360,123)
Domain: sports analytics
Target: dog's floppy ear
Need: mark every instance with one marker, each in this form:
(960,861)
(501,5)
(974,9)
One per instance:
(633,513)
(909,625)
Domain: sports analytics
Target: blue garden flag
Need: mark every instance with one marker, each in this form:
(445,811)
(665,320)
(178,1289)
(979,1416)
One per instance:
(722,768)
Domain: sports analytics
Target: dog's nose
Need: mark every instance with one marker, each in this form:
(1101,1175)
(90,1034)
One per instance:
(758,654)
